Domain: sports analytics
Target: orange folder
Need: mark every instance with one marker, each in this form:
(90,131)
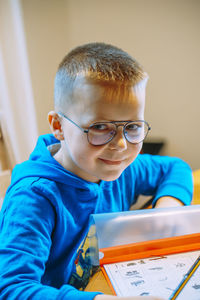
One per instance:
(160,247)
(132,235)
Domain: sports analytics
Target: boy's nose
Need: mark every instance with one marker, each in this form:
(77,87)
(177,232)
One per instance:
(119,142)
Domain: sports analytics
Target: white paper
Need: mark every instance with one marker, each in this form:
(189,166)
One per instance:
(155,276)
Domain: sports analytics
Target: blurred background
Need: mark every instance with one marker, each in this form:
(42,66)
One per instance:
(163,35)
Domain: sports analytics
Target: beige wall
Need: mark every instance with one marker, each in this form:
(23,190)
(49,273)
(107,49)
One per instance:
(162,35)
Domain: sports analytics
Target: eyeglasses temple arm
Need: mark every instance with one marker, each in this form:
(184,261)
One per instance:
(84,130)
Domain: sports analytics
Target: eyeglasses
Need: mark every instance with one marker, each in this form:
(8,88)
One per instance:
(101,133)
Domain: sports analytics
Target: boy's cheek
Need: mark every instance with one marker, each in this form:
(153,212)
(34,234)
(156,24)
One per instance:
(136,149)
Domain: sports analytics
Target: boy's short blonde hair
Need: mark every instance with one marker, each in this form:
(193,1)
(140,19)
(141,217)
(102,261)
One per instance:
(98,62)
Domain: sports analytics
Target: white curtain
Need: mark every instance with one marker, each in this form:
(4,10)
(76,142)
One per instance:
(17,111)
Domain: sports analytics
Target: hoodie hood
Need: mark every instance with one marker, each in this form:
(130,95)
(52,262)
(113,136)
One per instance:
(42,164)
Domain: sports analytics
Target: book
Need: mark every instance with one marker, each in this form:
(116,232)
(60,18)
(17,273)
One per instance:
(155,276)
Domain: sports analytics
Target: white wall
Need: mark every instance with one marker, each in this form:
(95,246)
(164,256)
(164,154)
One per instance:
(162,35)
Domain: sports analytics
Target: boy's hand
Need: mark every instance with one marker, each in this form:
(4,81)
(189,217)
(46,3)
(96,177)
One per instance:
(165,228)
(107,297)
(168,202)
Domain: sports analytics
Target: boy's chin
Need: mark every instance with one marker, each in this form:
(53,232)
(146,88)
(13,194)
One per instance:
(111,177)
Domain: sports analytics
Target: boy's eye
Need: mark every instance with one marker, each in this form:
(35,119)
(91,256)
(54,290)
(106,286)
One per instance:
(133,127)
(99,127)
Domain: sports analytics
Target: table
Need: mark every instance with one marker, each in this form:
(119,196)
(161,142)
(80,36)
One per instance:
(98,283)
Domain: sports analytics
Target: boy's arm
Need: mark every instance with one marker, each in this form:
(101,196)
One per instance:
(26,229)
(107,297)
(167,179)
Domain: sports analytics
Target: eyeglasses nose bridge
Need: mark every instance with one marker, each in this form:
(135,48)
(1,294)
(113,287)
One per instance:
(121,141)
(123,130)
(117,125)
(121,124)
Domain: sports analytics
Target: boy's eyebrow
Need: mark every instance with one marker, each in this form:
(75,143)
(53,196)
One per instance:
(109,121)
(93,122)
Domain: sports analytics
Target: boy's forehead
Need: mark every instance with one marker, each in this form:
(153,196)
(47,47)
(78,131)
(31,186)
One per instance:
(105,101)
(107,91)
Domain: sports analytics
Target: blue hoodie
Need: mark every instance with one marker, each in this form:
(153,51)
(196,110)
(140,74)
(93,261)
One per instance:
(45,217)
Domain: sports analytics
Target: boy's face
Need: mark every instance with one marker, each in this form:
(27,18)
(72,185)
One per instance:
(100,103)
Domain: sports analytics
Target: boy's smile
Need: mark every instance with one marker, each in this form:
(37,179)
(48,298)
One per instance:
(111,162)
(99,103)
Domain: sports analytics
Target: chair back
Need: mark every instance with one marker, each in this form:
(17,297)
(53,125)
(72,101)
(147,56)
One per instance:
(5,177)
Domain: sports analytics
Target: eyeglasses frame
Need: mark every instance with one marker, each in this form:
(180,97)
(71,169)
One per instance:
(113,122)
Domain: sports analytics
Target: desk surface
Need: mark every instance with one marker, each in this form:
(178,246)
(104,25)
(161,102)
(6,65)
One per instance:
(98,283)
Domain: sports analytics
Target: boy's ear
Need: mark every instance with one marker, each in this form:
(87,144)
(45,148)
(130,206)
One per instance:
(55,125)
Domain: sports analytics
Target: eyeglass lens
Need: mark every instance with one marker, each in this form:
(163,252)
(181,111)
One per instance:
(102,133)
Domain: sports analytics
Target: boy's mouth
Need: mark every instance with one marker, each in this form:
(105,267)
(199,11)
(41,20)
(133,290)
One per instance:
(111,162)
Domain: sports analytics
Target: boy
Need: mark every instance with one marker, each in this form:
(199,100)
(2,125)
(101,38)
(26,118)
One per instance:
(91,164)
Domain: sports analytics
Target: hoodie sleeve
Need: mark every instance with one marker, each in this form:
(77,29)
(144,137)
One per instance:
(160,176)
(26,227)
